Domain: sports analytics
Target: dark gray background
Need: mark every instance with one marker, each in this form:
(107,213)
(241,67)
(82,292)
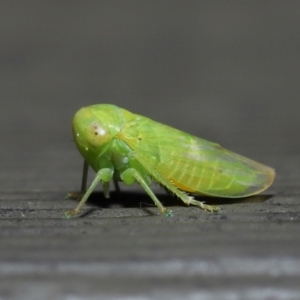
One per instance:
(227,71)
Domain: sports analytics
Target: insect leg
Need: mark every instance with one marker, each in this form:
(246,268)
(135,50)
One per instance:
(105,185)
(104,175)
(188,200)
(78,196)
(183,196)
(132,174)
(117,187)
(84,176)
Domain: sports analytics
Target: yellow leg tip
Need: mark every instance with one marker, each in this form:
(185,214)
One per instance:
(212,208)
(70,213)
(206,207)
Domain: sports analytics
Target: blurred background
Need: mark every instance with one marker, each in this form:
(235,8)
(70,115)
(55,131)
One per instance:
(224,71)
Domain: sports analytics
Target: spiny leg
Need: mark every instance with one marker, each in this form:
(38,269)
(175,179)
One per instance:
(104,175)
(206,207)
(188,200)
(183,196)
(131,175)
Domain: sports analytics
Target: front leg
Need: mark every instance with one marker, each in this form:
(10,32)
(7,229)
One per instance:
(104,175)
(130,175)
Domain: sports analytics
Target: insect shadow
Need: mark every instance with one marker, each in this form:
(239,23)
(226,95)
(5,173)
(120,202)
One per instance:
(133,199)
(228,201)
(128,199)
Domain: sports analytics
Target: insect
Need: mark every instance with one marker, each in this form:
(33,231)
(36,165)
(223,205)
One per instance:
(123,146)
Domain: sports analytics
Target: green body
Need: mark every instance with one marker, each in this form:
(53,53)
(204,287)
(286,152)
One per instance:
(132,148)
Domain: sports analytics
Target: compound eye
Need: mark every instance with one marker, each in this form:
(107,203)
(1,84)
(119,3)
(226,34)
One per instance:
(97,134)
(99,130)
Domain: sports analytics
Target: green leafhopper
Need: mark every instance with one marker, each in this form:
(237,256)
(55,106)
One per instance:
(127,147)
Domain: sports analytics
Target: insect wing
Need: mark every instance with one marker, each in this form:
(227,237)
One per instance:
(193,164)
